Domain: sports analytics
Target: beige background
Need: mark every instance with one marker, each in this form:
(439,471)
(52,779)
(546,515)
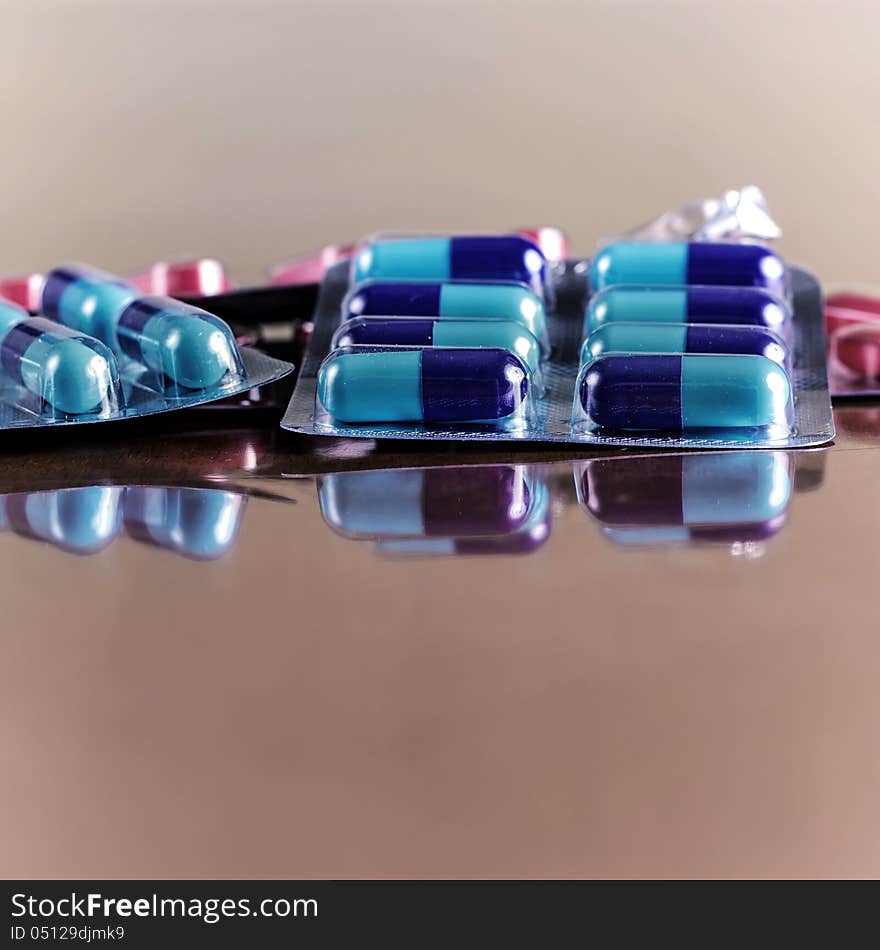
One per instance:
(252,131)
(306,707)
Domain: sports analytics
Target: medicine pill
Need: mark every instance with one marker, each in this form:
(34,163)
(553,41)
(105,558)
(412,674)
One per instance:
(402,331)
(431,385)
(187,345)
(681,263)
(72,372)
(682,338)
(490,258)
(453,300)
(722,305)
(677,393)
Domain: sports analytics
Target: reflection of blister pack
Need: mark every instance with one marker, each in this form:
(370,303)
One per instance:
(201,524)
(696,375)
(101,351)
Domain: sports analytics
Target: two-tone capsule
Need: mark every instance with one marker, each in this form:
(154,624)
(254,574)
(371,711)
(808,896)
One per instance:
(729,496)
(449,300)
(680,263)
(498,257)
(678,393)
(184,344)
(433,384)
(199,523)
(747,306)
(424,331)
(428,502)
(76,520)
(72,373)
(683,338)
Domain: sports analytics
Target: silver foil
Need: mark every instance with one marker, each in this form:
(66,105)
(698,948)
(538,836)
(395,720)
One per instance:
(738,215)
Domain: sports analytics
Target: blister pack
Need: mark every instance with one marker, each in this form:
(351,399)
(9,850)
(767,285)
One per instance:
(100,350)
(662,344)
(852,321)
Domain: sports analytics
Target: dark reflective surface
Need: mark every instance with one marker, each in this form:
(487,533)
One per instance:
(341,693)
(198,523)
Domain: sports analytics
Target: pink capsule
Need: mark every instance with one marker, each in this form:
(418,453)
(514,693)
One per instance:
(203,277)
(25,291)
(552,242)
(856,350)
(311,268)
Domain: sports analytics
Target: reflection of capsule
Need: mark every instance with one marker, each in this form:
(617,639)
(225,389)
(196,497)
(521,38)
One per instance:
(496,257)
(676,393)
(416,331)
(448,301)
(199,523)
(434,385)
(71,372)
(680,264)
(193,348)
(77,520)
(463,502)
(729,496)
(743,306)
(682,338)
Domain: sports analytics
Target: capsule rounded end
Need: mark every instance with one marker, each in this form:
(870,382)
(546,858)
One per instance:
(196,353)
(78,378)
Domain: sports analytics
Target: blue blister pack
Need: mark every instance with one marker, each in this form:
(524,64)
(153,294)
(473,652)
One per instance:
(101,351)
(714,344)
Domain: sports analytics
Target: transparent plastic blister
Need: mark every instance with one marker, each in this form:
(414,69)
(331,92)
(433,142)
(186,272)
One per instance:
(741,264)
(490,258)
(802,418)
(200,524)
(450,300)
(102,352)
(852,320)
(487,389)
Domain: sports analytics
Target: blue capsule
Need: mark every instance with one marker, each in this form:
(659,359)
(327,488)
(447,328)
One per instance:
(76,520)
(430,502)
(682,338)
(679,264)
(745,492)
(466,299)
(486,258)
(184,344)
(71,372)
(676,393)
(402,331)
(361,385)
(750,306)
(199,523)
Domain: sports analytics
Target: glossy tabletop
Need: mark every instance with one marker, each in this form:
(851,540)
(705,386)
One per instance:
(231,652)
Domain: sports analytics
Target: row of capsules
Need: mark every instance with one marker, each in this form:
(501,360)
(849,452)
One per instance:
(201,524)
(449,330)
(736,499)
(66,361)
(686,336)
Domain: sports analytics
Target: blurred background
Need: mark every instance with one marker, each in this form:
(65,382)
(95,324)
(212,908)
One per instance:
(250,131)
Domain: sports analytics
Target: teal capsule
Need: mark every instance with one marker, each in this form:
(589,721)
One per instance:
(450,299)
(70,371)
(425,331)
(677,393)
(680,264)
